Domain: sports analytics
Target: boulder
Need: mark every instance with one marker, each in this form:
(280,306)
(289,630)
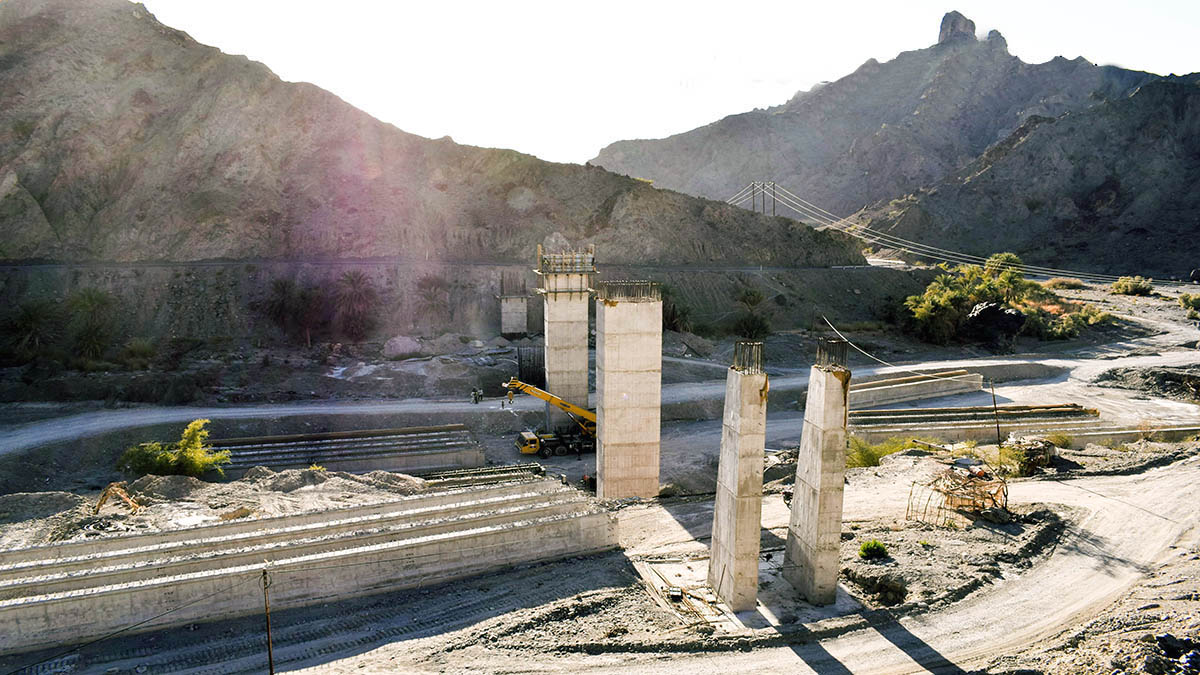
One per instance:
(992,322)
(401,347)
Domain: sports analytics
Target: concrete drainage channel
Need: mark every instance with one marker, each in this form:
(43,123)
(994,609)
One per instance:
(89,589)
(970,423)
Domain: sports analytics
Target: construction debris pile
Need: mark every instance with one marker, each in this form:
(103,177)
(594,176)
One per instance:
(965,490)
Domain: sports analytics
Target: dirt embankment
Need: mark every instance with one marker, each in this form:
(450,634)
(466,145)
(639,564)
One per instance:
(171,502)
(1178,383)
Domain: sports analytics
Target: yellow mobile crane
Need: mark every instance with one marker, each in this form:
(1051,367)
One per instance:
(546,443)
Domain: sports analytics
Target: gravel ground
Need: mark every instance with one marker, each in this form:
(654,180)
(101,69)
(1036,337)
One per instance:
(171,502)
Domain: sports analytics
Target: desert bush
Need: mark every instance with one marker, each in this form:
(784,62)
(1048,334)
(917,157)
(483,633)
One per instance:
(872,549)
(1191,302)
(190,456)
(1064,284)
(33,326)
(1060,440)
(1045,326)
(860,453)
(749,297)
(676,314)
(1132,286)
(1193,315)
(751,326)
(91,325)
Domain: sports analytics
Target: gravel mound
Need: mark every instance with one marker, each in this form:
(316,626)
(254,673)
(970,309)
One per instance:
(151,488)
(22,506)
(1179,383)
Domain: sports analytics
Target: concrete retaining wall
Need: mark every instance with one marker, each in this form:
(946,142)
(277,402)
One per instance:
(55,595)
(913,388)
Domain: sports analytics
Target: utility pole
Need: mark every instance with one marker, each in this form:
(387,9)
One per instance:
(996,413)
(772,197)
(266,583)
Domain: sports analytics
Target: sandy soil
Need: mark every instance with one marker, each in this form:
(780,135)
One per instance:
(171,502)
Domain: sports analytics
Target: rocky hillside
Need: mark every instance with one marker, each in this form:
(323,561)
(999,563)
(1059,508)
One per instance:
(881,132)
(1111,188)
(124,140)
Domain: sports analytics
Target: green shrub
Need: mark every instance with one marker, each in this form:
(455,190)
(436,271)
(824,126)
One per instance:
(751,326)
(676,314)
(92,325)
(1190,302)
(937,314)
(1045,326)
(1064,284)
(872,549)
(860,453)
(1133,286)
(190,456)
(1060,440)
(1193,315)
(140,348)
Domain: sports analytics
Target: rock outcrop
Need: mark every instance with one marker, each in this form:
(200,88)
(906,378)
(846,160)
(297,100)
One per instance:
(880,132)
(1111,189)
(122,139)
(955,26)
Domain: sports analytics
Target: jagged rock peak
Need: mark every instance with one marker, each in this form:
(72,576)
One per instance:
(995,38)
(955,26)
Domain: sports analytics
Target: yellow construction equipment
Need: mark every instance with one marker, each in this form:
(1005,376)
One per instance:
(117,489)
(546,443)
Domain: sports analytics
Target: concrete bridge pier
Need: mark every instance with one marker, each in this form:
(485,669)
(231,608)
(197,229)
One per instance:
(737,514)
(628,388)
(565,281)
(811,560)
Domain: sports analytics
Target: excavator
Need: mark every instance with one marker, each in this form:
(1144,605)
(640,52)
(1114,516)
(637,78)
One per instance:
(545,443)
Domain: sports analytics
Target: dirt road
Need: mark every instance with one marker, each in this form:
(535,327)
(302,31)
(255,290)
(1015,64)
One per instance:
(1128,527)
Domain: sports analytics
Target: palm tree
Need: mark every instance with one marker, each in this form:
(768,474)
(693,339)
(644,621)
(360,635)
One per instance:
(283,303)
(35,324)
(92,325)
(356,299)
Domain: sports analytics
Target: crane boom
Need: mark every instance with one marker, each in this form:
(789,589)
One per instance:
(585,418)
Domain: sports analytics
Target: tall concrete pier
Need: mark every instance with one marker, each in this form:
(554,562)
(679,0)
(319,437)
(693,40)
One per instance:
(628,388)
(815,527)
(565,281)
(737,514)
(514,306)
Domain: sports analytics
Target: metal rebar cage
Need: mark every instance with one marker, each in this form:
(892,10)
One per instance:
(748,357)
(568,262)
(831,352)
(625,290)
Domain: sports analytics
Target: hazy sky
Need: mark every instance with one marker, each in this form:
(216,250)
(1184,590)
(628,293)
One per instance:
(562,79)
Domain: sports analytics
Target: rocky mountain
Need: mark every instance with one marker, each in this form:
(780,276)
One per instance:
(122,139)
(882,131)
(1111,188)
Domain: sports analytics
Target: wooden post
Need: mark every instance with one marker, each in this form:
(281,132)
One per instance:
(266,583)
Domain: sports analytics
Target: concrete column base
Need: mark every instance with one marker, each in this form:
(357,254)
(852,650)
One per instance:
(811,560)
(737,514)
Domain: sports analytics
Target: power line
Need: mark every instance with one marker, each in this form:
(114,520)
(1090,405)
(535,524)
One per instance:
(827,219)
(892,365)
